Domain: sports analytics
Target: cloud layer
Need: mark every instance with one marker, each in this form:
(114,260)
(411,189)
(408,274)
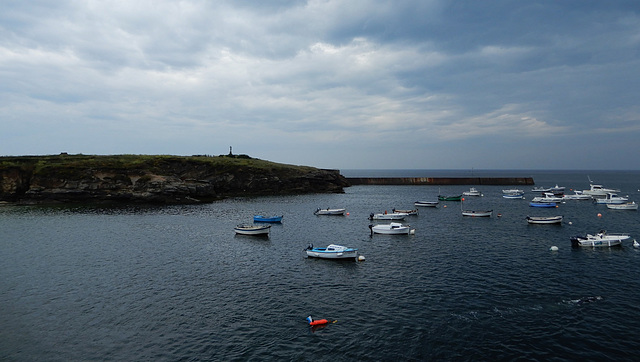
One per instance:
(336,84)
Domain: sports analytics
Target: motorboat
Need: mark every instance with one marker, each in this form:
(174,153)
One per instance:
(555,190)
(393,228)
(271,219)
(328,211)
(513,194)
(542,204)
(626,206)
(471,213)
(257,230)
(406,212)
(332,251)
(599,239)
(450,198)
(472,192)
(387,216)
(611,198)
(598,191)
(541,189)
(544,219)
(548,197)
(426,203)
(578,195)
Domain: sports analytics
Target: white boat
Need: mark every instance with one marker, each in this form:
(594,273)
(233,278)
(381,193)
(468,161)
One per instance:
(261,230)
(426,203)
(599,239)
(332,251)
(548,197)
(556,189)
(387,216)
(406,212)
(626,206)
(598,190)
(392,228)
(544,219)
(611,198)
(578,195)
(513,194)
(471,213)
(328,211)
(472,192)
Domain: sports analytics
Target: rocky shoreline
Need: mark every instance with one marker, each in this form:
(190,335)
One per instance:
(155,179)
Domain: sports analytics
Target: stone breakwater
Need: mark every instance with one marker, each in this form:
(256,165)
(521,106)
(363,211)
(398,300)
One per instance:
(441,181)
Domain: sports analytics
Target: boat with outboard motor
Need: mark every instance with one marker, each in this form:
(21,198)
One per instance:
(332,251)
(472,192)
(626,206)
(329,211)
(387,216)
(611,198)
(599,239)
(393,228)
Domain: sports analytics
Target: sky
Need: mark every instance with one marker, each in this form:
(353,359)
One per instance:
(353,84)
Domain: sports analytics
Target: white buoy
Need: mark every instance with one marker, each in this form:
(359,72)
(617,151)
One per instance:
(553,248)
(412,231)
(361,258)
(636,244)
(570,223)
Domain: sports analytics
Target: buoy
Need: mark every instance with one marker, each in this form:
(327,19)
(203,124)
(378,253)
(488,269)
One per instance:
(412,231)
(347,214)
(636,244)
(570,223)
(361,258)
(599,215)
(499,215)
(445,206)
(553,248)
(316,322)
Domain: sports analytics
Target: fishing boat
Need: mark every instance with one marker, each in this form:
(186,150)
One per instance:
(471,213)
(599,239)
(611,198)
(578,195)
(472,192)
(450,198)
(542,204)
(332,251)
(393,228)
(426,203)
(257,230)
(328,211)
(406,212)
(598,190)
(387,216)
(544,219)
(513,194)
(271,219)
(547,197)
(626,206)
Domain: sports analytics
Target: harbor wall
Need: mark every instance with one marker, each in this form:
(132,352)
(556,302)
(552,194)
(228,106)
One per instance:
(440,180)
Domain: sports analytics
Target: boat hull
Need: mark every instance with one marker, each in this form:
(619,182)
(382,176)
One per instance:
(332,251)
(330,211)
(391,229)
(271,219)
(426,203)
(544,219)
(477,213)
(252,230)
(394,216)
(627,206)
(542,204)
(598,240)
(450,198)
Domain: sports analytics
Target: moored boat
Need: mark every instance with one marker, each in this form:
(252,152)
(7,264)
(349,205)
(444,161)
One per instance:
(611,198)
(387,216)
(257,230)
(547,197)
(626,206)
(473,213)
(598,190)
(599,239)
(544,219)
(406,212)
(450,198)
(426,203)
(272,219)
(328,211)
(332,251)
(513,194)
(393,228)
(472,192)
(542,204)
(578,195)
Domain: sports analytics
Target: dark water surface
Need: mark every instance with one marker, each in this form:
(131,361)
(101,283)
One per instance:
(175,283)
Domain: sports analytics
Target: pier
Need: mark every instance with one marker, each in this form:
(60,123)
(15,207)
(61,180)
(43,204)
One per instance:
(441,180)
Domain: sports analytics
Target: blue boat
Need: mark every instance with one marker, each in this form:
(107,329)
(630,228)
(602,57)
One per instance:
(260,218)
(542,204)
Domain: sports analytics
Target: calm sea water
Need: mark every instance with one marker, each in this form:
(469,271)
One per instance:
(175,283)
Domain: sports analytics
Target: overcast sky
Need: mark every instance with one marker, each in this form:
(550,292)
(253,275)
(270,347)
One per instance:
(333,84)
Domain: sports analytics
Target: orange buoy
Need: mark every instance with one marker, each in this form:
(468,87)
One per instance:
(316,322)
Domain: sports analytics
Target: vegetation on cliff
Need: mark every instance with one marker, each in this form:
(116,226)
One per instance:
(155,178)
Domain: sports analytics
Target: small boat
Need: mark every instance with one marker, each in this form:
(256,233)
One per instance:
(472,192)
(328,211)
(513,194)
(598,190)
(272,219)
(332,251)
(600,239)
(548,197)
(386,216)
(611,198)
(258,230)
(541,189)
(392,228)
(426,203)
(471,213)
(544,219)
(542,204)
(450,198)
(406,212)
(626,206)
(578,195)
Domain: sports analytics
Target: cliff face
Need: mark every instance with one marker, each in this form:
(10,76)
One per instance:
(156,179)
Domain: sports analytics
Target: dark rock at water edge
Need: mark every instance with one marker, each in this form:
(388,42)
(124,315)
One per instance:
(155,179)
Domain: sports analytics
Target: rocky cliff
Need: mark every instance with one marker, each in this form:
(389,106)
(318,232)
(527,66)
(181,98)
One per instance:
(156,179)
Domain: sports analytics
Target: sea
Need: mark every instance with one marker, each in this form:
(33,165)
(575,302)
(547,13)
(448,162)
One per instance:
(174,283)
